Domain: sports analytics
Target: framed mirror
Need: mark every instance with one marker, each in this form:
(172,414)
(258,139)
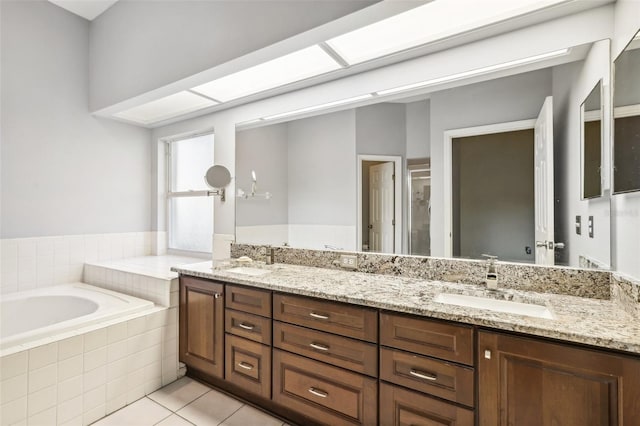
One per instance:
(626,113)
(461,160)
(592,131)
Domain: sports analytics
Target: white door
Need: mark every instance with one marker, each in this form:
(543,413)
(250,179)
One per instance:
(381,207)
(543,185)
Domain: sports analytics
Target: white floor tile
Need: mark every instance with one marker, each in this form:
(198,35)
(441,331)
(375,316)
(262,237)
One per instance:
(174,420)
(249,416)
(179,393)
(211,409)
(143,412)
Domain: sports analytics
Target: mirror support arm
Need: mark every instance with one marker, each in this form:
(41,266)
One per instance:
(219,192)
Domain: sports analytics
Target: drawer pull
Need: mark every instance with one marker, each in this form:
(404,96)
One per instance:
(423,375)
(319,346)
(318,392)
(245,365)
(246,326)
(319,316)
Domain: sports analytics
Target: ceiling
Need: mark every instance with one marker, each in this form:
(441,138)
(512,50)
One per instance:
(88,9)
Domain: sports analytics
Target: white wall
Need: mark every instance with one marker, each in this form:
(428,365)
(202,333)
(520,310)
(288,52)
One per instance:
(164,41)
(63,171)
(625,208)
(514,98)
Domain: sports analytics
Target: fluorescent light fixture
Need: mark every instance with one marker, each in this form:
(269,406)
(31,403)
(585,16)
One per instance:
(475,72)
(165,108)
(318,107)
(286,69)
(424,24)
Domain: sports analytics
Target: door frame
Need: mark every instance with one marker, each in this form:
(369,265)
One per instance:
(397,196)
(449,135)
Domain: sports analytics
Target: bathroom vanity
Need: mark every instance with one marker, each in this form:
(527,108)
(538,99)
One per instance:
(325,346)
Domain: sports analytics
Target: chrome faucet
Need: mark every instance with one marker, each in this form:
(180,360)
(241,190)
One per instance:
(492,272)
(269,252)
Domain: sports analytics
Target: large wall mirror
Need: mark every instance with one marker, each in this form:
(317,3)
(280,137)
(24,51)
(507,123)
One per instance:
(626,153)
(490,166)
(591,111)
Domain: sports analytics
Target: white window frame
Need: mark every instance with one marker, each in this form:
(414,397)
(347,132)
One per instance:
(176,194)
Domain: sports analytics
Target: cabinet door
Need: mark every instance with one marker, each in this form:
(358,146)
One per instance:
(202,325)
(526,381)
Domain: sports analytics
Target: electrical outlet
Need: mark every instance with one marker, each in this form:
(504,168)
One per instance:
(349,261)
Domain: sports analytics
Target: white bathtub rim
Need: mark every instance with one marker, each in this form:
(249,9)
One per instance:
(19,347)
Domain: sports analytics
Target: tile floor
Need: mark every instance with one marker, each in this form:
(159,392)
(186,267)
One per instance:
(187,402)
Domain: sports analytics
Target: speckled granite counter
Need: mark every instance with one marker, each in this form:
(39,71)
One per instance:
(595,322)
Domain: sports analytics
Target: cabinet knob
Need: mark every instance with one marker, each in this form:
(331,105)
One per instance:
(318,392)
(487,354)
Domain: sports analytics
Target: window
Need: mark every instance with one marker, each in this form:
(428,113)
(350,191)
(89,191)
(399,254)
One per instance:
(189,208)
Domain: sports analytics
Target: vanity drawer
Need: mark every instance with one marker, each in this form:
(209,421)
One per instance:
(249,300)
(402,407)
(248,365)
(438,378)
(252,327)
(329,395)
(426,337)
(343,352)
(345,320)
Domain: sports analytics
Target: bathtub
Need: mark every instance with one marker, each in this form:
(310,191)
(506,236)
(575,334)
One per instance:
(44,313)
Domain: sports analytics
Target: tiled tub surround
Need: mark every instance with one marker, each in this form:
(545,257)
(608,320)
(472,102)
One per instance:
(27,263)
(89,373)
(517,276)
(592,321)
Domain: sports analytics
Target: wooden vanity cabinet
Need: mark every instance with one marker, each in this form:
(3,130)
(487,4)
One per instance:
(528,381)
(202,325)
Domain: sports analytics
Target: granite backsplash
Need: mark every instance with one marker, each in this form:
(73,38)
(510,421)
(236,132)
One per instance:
(596,284)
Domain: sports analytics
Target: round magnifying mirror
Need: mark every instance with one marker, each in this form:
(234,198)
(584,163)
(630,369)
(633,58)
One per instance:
(217,176)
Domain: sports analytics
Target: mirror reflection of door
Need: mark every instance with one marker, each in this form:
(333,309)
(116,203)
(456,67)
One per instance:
(381,221)
(592,144)
(419,207)
(502,192)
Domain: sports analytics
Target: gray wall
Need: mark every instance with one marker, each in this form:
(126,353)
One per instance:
(418,125)
(265,150)
(63,171)
(322,175)
(494,175)
(380,129)
(164,41)
(627,68)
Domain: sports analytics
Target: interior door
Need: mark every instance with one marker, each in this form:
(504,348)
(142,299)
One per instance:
(543,183)
(381,207)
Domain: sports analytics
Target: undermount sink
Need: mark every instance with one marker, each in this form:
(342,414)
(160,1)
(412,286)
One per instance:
(518,308)
(245,270)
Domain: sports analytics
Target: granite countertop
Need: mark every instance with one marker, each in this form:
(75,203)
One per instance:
(600,323)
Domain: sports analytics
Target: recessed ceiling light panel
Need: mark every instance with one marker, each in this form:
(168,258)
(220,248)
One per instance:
(165,108)
(430,22)
(286,69)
